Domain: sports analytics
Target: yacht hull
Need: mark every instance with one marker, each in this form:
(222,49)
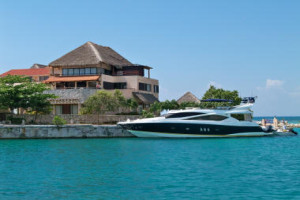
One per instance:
(145,134)
(188,130)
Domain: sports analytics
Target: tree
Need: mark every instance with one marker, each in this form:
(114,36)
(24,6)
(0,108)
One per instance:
(38,102)
(188,104)
(214,93)
(119,99)
(101,102)
(131,104)
(11,95)
(19,92)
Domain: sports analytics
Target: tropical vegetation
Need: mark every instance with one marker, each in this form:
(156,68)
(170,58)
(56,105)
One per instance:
(20,92)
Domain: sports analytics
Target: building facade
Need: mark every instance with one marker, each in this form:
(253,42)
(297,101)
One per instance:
(91,67)
(35,74)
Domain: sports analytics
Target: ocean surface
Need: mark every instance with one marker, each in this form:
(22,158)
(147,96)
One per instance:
(136,168)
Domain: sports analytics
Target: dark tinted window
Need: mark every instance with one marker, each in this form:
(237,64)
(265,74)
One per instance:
(183,114)
(209,117)
(239,117)
(145,87)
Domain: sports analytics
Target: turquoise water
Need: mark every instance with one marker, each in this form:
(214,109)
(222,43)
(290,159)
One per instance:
(135,168)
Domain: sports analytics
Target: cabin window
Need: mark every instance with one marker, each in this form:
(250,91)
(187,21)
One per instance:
(239,117)
(242,117)
(183,114)
(209,117)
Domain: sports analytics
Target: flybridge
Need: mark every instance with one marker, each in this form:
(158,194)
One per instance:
(244,100)
(216,100)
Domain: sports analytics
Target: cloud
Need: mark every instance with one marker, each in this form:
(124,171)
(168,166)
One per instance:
(217,85)
(273,83)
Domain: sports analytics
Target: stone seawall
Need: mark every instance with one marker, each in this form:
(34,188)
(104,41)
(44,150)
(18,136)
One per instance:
(79,119)
(66,131)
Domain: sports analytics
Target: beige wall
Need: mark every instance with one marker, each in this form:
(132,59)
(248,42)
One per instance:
(132,82)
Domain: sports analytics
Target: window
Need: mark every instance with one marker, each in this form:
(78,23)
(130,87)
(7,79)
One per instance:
(70,85)
(79,71)
(58,109)
(65,72)
(76,71)
(101,71)
(108,85)
(155,88)
(145,87)
(209,117)
(92,84)
(82,71)
(240,117)
(111,86)
(70,72)
(81,84)
(107,72)
(43,78)
(87,71)
(182,114)
(94,70)
(74,109)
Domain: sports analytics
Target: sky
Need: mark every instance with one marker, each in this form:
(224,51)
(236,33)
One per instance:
(251,46)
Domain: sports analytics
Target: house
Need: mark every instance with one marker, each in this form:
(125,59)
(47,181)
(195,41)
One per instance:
(36,74)
(91,67)
(188,98)
(38,66)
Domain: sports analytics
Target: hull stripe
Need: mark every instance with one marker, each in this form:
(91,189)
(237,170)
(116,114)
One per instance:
(184,135)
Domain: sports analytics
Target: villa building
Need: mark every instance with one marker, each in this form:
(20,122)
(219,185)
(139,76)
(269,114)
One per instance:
(35,74)
(91,67)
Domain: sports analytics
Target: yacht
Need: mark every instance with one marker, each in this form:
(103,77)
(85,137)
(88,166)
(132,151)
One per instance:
(195,122)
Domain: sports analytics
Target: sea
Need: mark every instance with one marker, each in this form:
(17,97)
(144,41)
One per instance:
(137,168)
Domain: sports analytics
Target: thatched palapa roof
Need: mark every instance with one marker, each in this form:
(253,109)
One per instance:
(188,97)
(37,66)
(91,54)
(145,98)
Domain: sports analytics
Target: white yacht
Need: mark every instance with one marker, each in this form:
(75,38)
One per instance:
(195,122)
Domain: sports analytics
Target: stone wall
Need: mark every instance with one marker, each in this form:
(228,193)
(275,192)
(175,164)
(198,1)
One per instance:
(67,131)
(80,119)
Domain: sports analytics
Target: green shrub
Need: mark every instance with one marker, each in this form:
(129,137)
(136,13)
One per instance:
(147,114)
(58,121)
(15,120)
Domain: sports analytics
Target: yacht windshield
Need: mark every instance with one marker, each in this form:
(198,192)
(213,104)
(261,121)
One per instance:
(209,117)
(182,114)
